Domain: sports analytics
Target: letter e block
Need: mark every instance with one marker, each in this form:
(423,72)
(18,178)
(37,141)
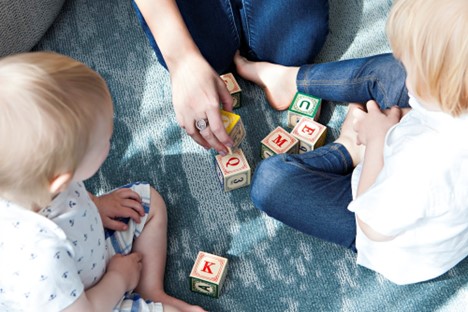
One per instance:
(233,170)
(233,88)
(302,105)
(310,134)
(279,141)
(234,127)
(208,274)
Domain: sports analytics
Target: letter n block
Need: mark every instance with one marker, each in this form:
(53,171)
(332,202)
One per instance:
(208,274)
(233,88)
(302,105)
(234,127)
(310,134)
(279,141)
(233,170)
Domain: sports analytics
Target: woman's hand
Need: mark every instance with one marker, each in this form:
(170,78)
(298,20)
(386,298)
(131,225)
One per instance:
(198,91)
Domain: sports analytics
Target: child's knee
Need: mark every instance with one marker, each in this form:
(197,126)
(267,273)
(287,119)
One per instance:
(158,205)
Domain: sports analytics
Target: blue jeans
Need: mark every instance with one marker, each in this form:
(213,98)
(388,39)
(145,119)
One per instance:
(309,192)
(288,32)
(379,77)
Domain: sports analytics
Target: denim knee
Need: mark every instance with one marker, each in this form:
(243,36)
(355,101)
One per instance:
(266,183)
(390,77)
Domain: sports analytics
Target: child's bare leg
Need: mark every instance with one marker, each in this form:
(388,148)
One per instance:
(278,81)
(152,243)
(348,137)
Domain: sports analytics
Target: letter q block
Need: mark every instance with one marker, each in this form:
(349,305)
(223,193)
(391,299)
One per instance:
(233,88)
(208,274)
(302,105)
(234,127)
(279,141)
(233,170)
(310,134)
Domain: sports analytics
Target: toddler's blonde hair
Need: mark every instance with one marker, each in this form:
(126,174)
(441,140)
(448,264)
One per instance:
(431,38)
(49,106)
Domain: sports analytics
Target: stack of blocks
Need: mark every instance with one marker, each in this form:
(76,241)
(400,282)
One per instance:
(208,274)
(307,134)
(233,169)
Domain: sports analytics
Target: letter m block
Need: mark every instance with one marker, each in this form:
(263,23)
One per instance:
(208,274)
(278,141)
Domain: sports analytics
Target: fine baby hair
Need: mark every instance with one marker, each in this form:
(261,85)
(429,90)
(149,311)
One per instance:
(48,109)
(430,38)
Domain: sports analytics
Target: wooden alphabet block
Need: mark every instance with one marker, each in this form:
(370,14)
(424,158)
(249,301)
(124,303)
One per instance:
(234,127)
(278,141)
(233,170)
(208,274)
(302,105)
(310,134)
(233,88)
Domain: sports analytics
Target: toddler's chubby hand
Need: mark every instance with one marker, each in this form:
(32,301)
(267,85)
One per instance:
(121,203)
(374,124)
(128,267)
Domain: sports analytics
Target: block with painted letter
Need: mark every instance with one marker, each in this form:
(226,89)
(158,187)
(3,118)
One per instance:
(233,170)
(303,105)
(278,141)
(233,88)
(208,274)
(234,127)
(310,134)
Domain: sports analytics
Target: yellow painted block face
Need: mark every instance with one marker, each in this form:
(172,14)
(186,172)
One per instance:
(234,127)
(229,120)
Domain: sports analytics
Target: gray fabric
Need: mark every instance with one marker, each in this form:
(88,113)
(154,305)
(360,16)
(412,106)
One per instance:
(24,22)
(272,267)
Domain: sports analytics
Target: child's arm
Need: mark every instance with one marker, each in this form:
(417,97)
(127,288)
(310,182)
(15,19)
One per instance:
(372,129)
(123,274)
(121,203)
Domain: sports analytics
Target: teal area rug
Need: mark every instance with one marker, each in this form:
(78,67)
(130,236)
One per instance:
(272,267)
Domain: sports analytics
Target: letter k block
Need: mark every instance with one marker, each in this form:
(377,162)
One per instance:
(208,274)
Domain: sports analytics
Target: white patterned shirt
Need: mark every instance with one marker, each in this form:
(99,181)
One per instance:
(48,259)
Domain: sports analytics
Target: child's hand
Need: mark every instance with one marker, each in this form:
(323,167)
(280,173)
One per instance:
(374,124)
(128,267)
(121,203)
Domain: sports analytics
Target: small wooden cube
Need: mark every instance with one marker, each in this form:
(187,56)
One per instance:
(208,274)
(234,127)
(302,105)
(310,134)
(233,88)
(278,141)
(233,170)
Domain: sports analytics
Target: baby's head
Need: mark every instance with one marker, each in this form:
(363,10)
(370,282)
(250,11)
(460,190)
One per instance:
(55,114)
(430,37)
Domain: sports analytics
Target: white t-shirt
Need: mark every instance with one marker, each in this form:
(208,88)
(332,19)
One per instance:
(420,197)
(45,264)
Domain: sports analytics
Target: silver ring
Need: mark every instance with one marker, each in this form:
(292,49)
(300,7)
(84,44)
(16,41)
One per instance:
(201,124)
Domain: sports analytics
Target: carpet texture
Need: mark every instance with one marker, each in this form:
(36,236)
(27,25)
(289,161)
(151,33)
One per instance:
(272,267)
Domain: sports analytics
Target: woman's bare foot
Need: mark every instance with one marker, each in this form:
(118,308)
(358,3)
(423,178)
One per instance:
(278,81)
(172,304)
(348,137)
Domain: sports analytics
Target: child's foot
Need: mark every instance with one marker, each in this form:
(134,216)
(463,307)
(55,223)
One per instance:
(172,304)
(278,81)
(348,137)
